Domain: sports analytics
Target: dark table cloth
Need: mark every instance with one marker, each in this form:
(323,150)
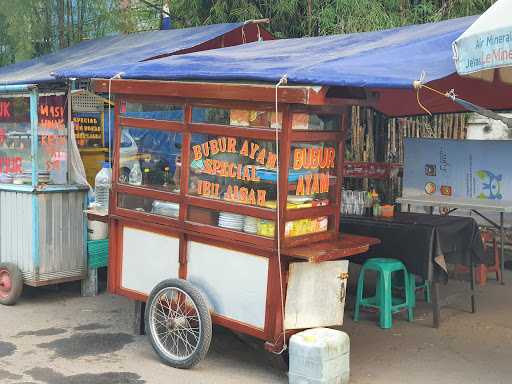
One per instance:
(425,243)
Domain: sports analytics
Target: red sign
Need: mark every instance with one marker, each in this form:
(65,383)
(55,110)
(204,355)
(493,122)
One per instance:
(10,164)
(51,113)
(15,110)
(370,170)
(5,110)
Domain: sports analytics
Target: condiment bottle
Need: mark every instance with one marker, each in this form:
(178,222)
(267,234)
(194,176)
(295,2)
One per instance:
(376,204)
(167,176)
(135,177)
(368,204)
(145,177)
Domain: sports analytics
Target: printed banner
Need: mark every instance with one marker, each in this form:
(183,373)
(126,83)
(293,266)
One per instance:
(52,113)
(484,51)
(467,169)
(88,130)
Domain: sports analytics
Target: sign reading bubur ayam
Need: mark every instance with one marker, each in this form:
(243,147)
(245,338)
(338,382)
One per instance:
(313,163)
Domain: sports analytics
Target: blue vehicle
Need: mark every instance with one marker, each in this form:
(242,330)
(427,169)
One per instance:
(156,151)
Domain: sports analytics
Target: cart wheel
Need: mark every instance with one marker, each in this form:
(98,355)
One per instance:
(178,323)
(11,283)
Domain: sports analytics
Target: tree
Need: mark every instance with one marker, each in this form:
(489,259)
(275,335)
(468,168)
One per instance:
(296,18)
(30,28)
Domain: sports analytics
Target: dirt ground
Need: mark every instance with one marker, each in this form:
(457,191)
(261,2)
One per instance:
(57,337)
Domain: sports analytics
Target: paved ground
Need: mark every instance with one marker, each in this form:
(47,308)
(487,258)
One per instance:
(57,337)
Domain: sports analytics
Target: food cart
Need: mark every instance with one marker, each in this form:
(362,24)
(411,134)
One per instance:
(42,231)
(222,233)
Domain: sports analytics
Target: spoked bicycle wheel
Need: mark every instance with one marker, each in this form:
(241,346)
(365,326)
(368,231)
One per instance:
(178,323)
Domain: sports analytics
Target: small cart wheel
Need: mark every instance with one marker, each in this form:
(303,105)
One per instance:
(178,323)
(11,283)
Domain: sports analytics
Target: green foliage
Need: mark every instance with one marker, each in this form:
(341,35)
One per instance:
(290,18)
(30,28)
(16,34)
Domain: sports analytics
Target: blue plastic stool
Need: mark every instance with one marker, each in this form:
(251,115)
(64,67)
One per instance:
(383,299)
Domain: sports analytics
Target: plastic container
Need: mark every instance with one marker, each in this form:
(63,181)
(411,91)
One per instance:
(102,185)
(266,228)
(376,209)
(57,175)
(387,210)
(135,177)
(319,356)
(97,253)
(97,230)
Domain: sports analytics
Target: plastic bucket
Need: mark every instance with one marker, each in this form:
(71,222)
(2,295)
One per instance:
(97,230)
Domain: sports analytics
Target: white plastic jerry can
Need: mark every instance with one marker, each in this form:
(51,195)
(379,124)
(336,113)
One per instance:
(319,356)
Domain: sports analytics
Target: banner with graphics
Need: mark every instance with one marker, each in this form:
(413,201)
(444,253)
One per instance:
(467,169)
(486,51)
(487,43)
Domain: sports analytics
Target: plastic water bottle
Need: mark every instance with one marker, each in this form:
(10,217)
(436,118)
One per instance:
(102,185)
(135,177)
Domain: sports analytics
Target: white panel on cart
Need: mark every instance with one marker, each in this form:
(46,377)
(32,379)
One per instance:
(316,294)
(148,258)
(235,283)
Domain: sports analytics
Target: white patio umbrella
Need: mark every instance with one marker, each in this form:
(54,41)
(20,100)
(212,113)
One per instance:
(484,50)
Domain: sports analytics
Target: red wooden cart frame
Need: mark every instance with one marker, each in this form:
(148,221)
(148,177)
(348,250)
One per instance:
(329,244)
(376,171)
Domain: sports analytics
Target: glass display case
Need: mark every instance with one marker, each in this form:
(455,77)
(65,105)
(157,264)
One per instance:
(220,169)
(33,155)
(42,224)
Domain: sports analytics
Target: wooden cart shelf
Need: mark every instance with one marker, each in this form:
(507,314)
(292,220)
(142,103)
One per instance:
(344,246)
(94,215)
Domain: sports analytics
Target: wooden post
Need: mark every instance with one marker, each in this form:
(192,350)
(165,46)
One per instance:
(89,285)
(139,326)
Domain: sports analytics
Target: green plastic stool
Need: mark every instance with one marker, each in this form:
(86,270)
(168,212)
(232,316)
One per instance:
(398,284)
(425,286)
(384,300)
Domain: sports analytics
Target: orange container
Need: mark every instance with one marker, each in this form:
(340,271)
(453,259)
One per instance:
(387,210)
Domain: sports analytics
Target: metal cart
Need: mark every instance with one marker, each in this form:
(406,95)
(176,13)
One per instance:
(42,224)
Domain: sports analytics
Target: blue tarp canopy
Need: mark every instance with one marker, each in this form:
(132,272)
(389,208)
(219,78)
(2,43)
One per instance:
(391,58)
(108,54)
